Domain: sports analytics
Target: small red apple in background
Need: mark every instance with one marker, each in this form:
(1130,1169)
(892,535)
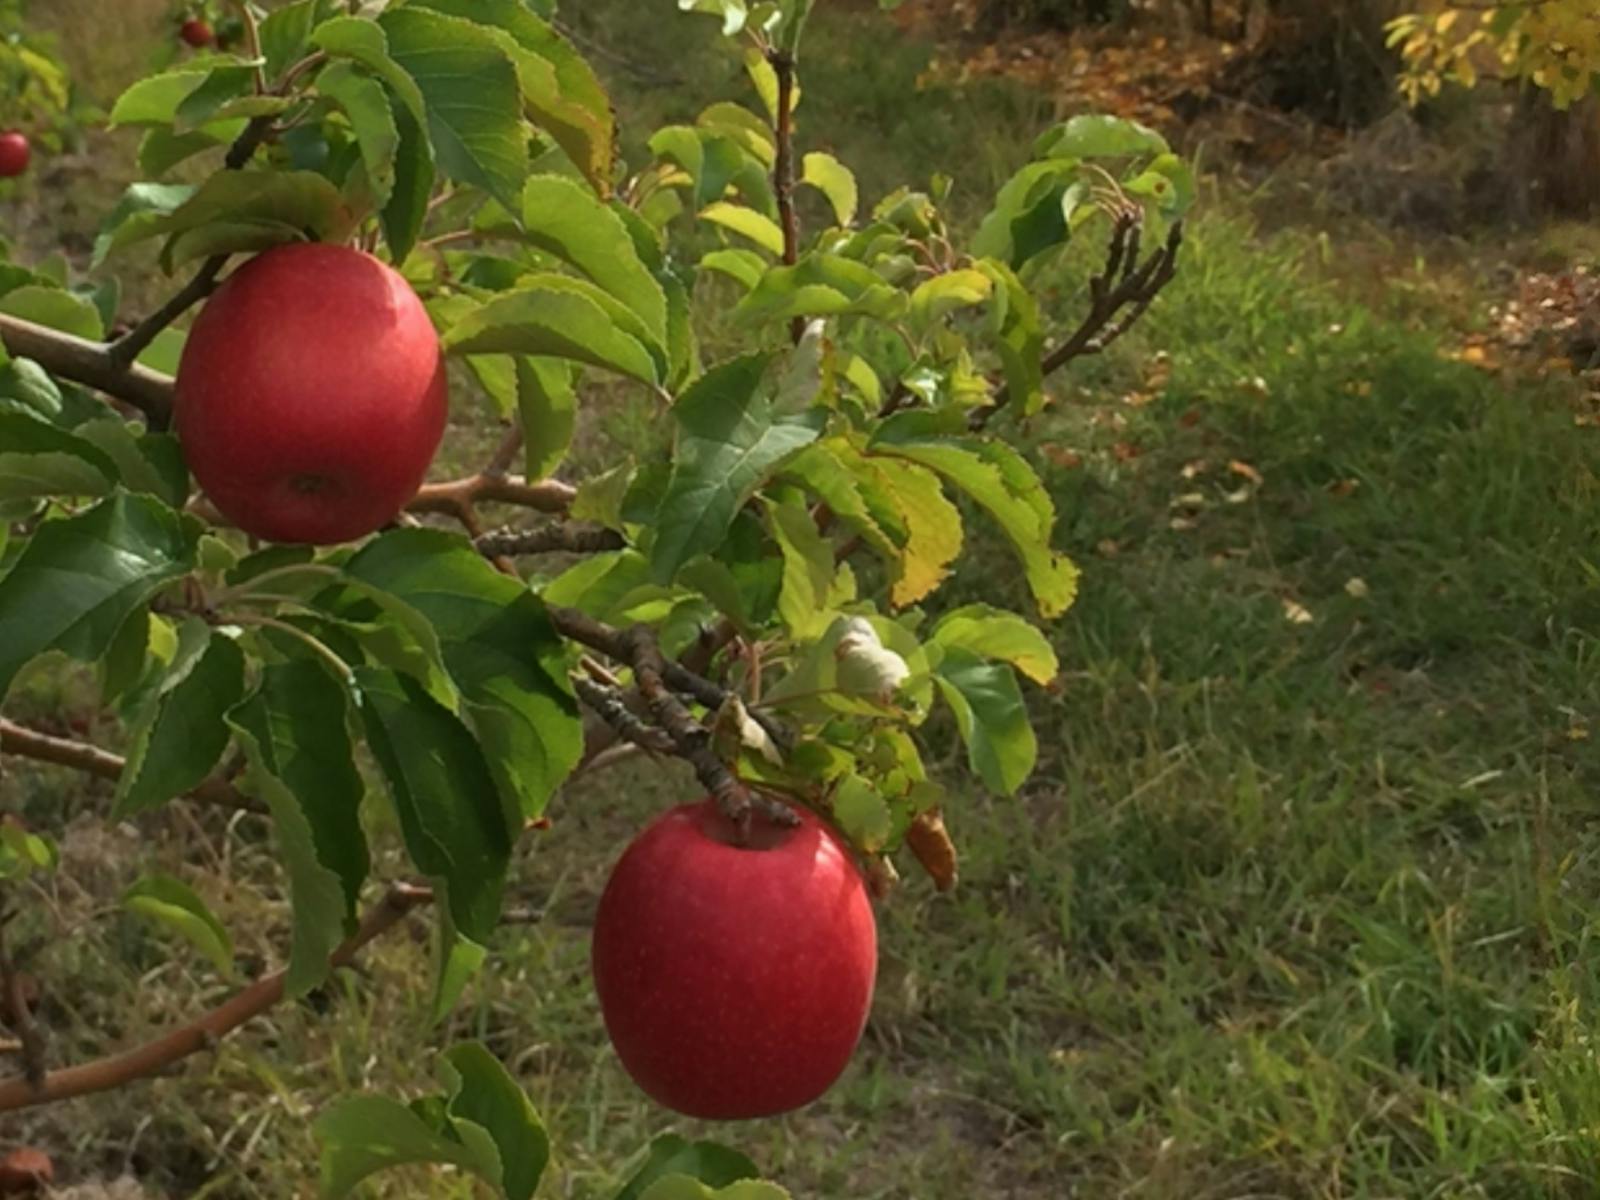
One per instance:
(735,980)
(311,395)
(14,154)
(196,32)
(26,1171)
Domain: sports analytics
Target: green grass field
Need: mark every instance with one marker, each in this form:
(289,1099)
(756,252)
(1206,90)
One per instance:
(1300,902)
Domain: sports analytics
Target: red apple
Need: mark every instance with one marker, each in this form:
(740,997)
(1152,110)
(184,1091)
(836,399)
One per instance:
(14,154)
(26,1171)
(196,32)
(311,395)
(734,980)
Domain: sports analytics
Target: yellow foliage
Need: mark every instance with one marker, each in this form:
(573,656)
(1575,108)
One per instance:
(1554,44)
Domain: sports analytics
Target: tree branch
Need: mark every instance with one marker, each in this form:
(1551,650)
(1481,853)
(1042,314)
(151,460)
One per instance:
(91,364)
(693,739)
(783,169)
(1118,297)
(130,345)
(549,539)
(18,1017)
(118,1070)
(459,498)
(608,704)
(80,756)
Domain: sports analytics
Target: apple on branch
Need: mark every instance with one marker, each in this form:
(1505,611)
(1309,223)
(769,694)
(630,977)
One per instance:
(735,978)
(311,395)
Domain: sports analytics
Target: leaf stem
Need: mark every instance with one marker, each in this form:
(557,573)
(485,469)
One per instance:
(310,641)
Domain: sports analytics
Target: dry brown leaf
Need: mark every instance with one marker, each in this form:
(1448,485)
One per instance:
(930,842)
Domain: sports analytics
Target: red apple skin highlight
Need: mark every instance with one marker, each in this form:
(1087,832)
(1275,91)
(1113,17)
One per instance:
(311,395)
(14,154)
(735,981)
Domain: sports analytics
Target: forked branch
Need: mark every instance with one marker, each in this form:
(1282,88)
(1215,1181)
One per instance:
(1118,296)
(117,1070)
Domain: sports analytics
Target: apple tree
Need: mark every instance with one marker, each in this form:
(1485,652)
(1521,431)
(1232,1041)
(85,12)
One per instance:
(215,505)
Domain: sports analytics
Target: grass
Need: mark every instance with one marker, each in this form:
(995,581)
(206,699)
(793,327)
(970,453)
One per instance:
(1297,904)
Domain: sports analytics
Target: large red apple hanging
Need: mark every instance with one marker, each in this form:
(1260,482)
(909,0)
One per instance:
(735,980)
(311,395)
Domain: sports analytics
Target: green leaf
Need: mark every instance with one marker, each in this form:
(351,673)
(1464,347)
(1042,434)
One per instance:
(560,89)
(247,210)
(547,405)
(365,42)
(991,716)
(451,817)
(550,322)
(821,285)
(154,101)
(147,462)
(175,905)
(862,813)
(363,1135)
(563,219)
(944,294)
(746,222)
(669,1154)
(733,13)
(485,1125)
(138,215)
(745,266)
(38,460)
(995,634)
(407,210)
(284,34)
(835,181)
(1027,218)
(77,580)
(1019,335)
(914,500)
(489,1098)
(743,126)
(219,87)
(366,103)
(729,444)
(808,571)
(1002,482)
(472,95)
(295,735)
(54,308)
(182,737)
(1095,135)
(685,1187)
(500,649)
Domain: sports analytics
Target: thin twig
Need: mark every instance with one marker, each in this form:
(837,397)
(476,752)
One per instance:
(133,343)
(18,1016)
(1118,297)
(91,760)
(163,1052)
(506,452)
(549,539)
